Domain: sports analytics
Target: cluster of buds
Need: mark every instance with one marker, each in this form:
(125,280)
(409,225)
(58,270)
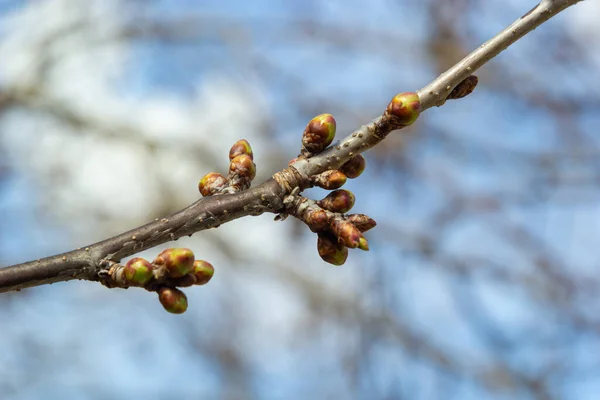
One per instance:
(172,268)
(242,171)
(336,232)
(343,233)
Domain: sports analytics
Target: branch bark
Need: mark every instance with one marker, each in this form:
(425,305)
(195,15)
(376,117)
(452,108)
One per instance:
(211,212)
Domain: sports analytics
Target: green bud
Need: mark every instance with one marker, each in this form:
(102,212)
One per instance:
(354,167)
(177,261)
(340,201)
(211,183)
(138,271)
(363,244)
(173,300)
(203,271)
(240,147)
(331,250)
(332,179)
(405,108)
(318,134)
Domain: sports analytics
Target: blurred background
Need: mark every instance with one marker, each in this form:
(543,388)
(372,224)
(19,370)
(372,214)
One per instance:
(482,280)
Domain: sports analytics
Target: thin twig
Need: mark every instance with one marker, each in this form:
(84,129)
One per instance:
(436,92)
(211,212)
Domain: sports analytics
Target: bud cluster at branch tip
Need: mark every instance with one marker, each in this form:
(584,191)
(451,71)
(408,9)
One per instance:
(336,231)
(318,134)
(172,268)
(404,108)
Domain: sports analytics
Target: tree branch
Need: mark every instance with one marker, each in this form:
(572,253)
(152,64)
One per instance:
(85,263)
(211,212)
(436,92)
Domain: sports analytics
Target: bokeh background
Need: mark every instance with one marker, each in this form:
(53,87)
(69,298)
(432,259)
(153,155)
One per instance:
(483,275)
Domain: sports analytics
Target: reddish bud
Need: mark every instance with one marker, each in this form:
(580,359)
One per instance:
(137,271)
(203,271)
(211,183)
(354,167)
(464,88)
(332,179)
(173,300)
(317,220)
(319,134)
(362,222)
(338,201)
(405,107)
(349,235)
(240,147)
(242,167)
(331,250)
(293,160)
(177,261)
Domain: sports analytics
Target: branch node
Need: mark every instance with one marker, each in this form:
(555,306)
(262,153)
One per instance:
(290,178)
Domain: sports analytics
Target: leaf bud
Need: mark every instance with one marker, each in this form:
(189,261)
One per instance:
(354,167)
(240,147)
(332,179)
(138,271)
(405,108)
(318,134)
(203,271)
(330,250)
(211,183)
(173,300)
(340,201)
(243,168)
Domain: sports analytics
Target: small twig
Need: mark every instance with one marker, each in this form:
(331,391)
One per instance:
(436,92)
(210,212)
